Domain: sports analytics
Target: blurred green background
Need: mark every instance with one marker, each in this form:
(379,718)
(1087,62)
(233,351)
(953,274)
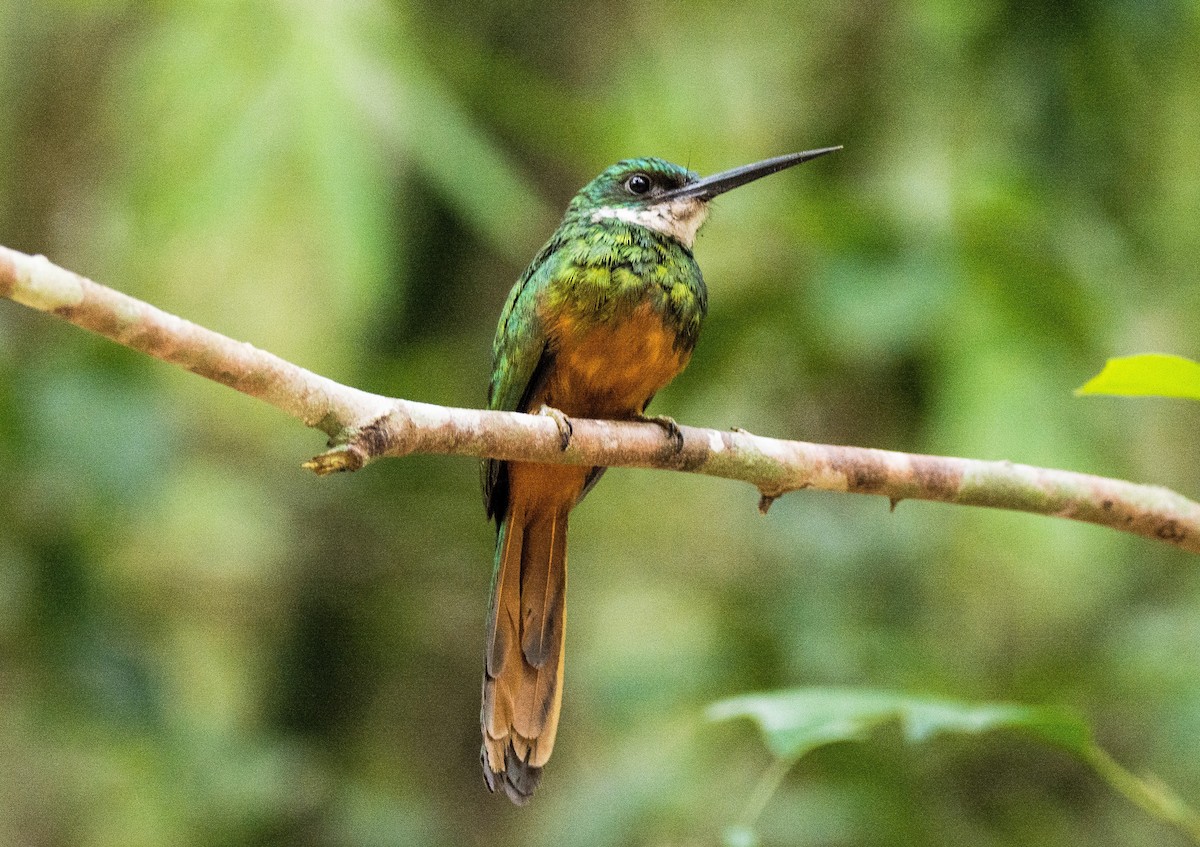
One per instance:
(200,644)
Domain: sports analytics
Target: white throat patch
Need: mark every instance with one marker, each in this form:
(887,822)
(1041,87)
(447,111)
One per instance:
(677,218)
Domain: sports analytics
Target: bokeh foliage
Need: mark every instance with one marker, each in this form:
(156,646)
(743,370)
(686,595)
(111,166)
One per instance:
(199,644)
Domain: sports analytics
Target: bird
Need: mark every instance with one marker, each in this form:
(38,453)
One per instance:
(606,314)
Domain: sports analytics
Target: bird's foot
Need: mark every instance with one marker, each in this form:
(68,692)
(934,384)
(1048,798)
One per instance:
(561,421)
(674,434)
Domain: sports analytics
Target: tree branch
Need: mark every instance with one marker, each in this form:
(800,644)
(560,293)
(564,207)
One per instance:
(363,427)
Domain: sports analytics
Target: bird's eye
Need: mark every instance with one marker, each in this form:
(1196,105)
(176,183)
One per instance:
(638,184)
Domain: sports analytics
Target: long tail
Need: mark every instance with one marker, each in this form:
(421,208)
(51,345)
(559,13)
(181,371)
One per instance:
(523,659)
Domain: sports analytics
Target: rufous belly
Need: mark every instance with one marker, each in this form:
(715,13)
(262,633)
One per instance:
(611,370)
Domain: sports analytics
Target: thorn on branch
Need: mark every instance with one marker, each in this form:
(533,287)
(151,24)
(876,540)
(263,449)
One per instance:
(764,503)
(895,501)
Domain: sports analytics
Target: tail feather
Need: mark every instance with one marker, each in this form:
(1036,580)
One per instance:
(542,584)
(522,683)
(504,612)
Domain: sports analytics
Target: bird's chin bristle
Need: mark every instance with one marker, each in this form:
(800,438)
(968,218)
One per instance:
(519,779)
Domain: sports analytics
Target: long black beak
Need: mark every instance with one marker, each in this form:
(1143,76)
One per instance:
(710,186)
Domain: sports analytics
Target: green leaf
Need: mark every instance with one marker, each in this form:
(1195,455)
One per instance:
(798,721)
(1150,374)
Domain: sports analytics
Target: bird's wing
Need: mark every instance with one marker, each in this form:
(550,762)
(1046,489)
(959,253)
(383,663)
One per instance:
(520,342)
(520,361)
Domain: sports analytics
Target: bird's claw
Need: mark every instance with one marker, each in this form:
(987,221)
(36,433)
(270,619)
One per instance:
(674,433)
(561,421)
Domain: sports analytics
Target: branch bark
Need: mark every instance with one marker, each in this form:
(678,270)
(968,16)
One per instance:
(363,427)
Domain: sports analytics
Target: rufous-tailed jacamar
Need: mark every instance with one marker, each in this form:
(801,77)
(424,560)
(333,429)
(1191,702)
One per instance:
(605,315)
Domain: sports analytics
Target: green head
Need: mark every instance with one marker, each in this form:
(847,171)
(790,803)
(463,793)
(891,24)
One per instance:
(665,197)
